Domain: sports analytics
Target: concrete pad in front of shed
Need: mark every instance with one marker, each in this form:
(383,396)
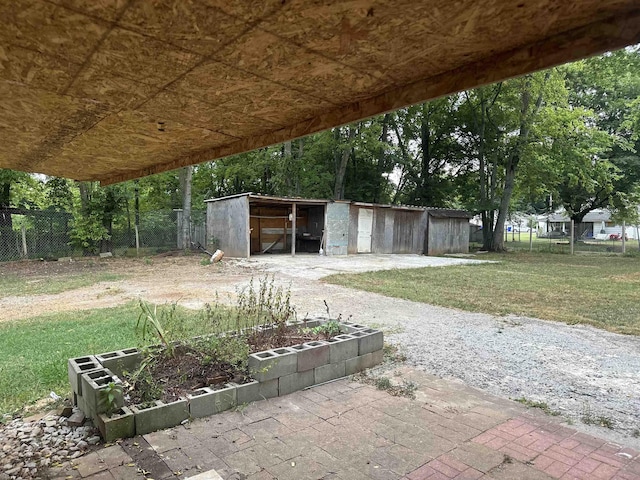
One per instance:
(314,267)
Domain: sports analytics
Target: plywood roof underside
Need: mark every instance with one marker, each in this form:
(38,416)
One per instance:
(86,86)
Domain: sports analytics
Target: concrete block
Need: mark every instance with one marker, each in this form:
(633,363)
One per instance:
(269,389)
(247,392)
(358,364)
(160,416)
(120,361)
(296,381)
(93,383)
(311,355)
(272,364)
(78,366)
(207,401)
(353,327)
(330,371)
(342,347)
(369,340)
(119,425)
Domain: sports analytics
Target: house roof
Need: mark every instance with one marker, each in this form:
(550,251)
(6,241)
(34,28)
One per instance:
(119,89)
(598,215)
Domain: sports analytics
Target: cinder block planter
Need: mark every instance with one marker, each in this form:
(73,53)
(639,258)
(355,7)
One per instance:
(160,416)
(207,401)
(93,383)
(358,364)
(119,425)
(295,381)
(76,367)
(120,361)
(247,392)
(342,347)
(353,327)
(330,371)
(311,355)
(272,364)
(276,372)
(369,340)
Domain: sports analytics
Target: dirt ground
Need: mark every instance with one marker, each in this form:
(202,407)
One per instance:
(185,280)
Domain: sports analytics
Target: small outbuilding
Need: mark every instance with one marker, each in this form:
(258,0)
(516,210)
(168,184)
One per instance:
(248,224)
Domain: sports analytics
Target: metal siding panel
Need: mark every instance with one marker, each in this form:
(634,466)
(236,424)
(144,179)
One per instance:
(337,228)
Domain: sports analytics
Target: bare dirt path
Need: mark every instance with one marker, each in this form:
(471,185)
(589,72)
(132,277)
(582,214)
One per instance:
(583,373)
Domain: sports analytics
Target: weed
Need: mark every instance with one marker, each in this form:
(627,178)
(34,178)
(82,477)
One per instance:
(636,433)
(147,261)
(383,383)
(541,405)
(405,389)
(205,262)
(588,418)
(392,354)
(109,397)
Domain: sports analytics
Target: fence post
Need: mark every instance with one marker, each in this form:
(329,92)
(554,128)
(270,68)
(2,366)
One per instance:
(137,241)
(23,230)
(624,234)
(573,234)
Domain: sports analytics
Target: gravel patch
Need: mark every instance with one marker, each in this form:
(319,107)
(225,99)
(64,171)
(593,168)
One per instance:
(584,374)
(28,448)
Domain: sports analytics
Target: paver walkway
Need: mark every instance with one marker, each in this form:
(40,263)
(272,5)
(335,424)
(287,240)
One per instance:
(351,431)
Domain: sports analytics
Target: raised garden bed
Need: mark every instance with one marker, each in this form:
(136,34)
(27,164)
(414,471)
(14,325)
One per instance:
(272,372)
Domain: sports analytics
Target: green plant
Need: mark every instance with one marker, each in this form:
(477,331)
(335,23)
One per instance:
(108,397)
(150,324)
(205,262)
(541,405)
(87,231)
(328,330)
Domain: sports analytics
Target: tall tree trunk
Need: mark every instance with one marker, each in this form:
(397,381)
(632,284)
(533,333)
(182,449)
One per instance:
(136,194)
(288,181)
(338,190)
(527,117)
(425,146)
(6,222)
(382,158)
(186,175)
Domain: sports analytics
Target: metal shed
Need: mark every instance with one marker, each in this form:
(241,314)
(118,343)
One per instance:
(248,224)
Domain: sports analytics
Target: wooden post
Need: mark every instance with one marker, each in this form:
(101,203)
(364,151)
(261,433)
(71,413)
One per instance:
(624,234)
(293,229)
(531,239)
(284,239)
(23,230)
(137,241)
(572,236)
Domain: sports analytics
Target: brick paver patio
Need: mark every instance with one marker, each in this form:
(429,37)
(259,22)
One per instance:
(351,431)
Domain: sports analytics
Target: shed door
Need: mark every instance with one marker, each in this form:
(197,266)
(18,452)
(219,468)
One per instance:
(365,227)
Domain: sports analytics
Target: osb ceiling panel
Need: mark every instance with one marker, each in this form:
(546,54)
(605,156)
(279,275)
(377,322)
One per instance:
(115,89)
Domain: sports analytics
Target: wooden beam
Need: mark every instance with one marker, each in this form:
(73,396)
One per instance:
(293,229)
(592,39)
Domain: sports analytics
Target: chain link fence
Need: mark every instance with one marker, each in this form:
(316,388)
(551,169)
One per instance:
(47,234)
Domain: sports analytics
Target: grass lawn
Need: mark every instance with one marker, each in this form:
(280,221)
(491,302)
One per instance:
(13,284)
(603,291)
(34,352)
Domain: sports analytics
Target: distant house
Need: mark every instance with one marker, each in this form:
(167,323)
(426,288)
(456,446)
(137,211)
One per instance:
(597,224)
(249,224)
